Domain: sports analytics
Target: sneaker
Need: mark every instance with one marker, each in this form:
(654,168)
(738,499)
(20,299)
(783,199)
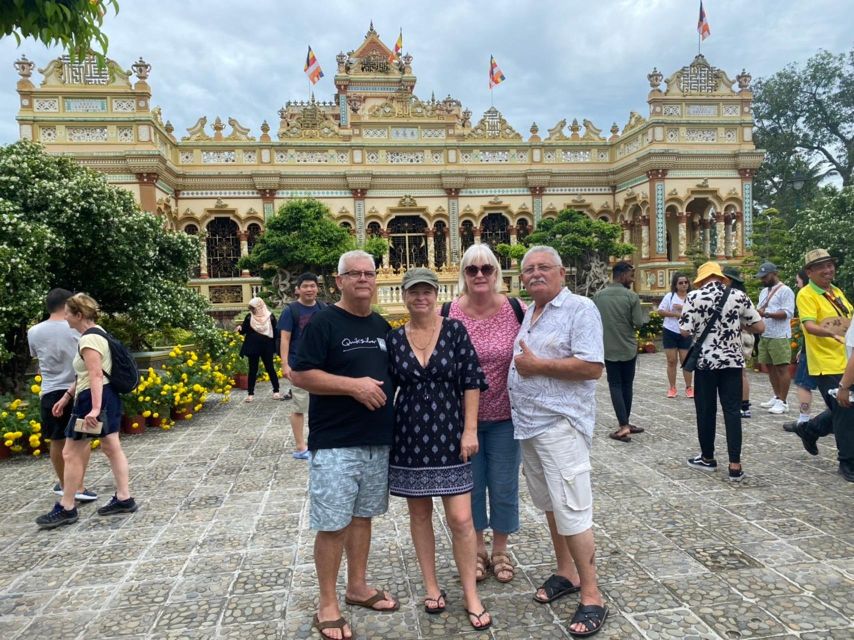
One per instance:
(301,455)
(778,407)
(671,392)
(288,395)
(736,475)
(57,517)
(698,462)
(769,403)
(86,496)
(745,413)
(689,392)
(117,506)
(57,489)
(807,439)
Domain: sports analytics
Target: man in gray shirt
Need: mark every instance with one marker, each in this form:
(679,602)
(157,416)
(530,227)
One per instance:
(54,343)
(622,315)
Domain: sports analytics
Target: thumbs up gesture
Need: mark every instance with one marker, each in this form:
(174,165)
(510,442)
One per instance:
(526,362)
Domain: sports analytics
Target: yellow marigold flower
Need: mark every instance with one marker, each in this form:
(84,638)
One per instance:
(37,428)
(188,416)
(146,414)
(15,403)
(155,415)
(3,414)
(37,452)
(166,427)
(95,443)
(135,425)
(8,443)
(35,388)
(20,416)
(172,353)
(197,408)
(38,378)
(17,449)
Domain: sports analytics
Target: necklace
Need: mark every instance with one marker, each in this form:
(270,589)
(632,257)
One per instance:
(411,334)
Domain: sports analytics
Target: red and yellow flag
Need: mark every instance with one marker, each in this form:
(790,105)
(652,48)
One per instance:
(312,67)
(496,76)
(398,48)
(703,23)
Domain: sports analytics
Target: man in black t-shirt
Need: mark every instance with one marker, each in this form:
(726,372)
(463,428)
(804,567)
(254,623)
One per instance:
(342,362)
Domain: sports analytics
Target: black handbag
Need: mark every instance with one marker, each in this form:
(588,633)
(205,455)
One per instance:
(692,358)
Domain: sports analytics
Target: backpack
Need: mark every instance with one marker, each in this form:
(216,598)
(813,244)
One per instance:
(125,375)
(514,302)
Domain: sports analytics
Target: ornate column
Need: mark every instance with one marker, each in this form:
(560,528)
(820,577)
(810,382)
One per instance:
(627,232)
(728,222)
(644,237)
(244,251)
(359,209)
(537,203)
(682,220)
(720,236)
(656,197)
(268,202)
(431,247)
(747,204)
(737,226)
(203,259)
(477,232)
(707,237)
(387,249)
(147,191)
(454,223)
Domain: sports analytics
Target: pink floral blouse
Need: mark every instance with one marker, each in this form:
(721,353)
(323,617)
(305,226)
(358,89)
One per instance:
(493,339)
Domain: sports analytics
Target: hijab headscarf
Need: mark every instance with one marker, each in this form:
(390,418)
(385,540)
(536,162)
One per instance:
(260,318)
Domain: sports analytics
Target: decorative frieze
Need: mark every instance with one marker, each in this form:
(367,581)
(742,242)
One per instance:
(250,157)
(404,133)
(281,157)
(375,133)
(673,109)
(405,157)
(311,157)
(218,157)
(701,135)
(85,105)
(186,157)
(342,157)
(47,105)
(576,156)
(86,134)
(47,134)
(673,135)
(702,110)
(660,226)
(124,105)
(493,156)
(436,157)
(433,134)
(730,110)
(730,135)
(373,157)
(124,134)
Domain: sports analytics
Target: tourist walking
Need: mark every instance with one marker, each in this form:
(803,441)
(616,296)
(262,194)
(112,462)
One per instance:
(622,316)
(292,323)
(747,342)
(54,344)
(552,382)
(826,317)
(492,321)
(804,382)
(776,306)
(439,380)
(98,409)
(343,363)
(675,344)
(259,343)
(726,312)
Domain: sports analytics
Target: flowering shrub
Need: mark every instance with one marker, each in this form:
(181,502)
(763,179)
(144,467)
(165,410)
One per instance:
(20,421)
(190,379)
(797,341)
(649,331)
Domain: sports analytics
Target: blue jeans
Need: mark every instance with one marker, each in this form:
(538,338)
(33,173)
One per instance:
(496,470)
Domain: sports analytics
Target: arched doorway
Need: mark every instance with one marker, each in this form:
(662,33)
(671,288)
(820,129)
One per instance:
(408,244)
(495,231)
(253,232)
(223,245)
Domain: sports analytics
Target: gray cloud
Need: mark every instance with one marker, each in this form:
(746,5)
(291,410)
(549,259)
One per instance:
(563,59)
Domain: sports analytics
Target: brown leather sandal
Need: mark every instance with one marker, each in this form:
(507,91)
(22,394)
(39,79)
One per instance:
(482,566)
(339,624)
(501,563)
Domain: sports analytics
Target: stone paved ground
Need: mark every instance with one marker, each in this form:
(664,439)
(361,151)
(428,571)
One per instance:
(220,547)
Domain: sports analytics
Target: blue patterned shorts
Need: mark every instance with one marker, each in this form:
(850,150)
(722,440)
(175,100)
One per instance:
(345,483)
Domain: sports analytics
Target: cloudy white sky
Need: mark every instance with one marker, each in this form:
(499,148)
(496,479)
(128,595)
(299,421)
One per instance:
(563,59)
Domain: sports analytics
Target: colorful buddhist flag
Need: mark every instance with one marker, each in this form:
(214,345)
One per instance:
(496,76)
(398,48)
(312,67)
(703,23)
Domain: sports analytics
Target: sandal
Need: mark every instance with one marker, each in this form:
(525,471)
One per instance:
(478,616)
(592,616)
(501,563)
(482,566)
(277,395)
(622,438)
(439,608)
(378,596)
(339,624)
(249,399)
(556,587)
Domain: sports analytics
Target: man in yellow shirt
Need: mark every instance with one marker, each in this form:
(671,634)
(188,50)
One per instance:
(825,316)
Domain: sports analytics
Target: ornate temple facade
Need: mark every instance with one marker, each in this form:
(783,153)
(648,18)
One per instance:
(421,173)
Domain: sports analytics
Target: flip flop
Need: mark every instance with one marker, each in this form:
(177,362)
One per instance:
(438,608)
(592,616)
(378,596)
(621,438)
(339,624)
(479,616)
(556,587)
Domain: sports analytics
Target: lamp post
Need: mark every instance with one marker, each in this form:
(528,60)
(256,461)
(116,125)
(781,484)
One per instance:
(797,182)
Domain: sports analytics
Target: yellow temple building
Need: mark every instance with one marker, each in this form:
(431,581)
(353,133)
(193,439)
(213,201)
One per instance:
(421,173)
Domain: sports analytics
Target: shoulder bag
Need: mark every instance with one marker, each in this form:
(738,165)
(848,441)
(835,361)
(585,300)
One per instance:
(693,356)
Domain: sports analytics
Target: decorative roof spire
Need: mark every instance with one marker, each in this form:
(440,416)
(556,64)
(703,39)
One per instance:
(371,31)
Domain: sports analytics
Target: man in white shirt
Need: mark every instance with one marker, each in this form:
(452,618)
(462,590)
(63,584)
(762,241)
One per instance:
(54,343)
(777,307)
(558,356)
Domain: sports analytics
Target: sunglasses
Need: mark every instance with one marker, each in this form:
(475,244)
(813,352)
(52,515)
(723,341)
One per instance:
(473,269)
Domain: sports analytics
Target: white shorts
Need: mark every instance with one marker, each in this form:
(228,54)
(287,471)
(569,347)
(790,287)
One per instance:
(557,470)
(300,400)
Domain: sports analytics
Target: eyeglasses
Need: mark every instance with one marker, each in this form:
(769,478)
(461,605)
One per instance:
(358,275)
(682,282)
(545,268)
(473,269)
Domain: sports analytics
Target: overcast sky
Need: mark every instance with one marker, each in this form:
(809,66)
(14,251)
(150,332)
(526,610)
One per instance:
(562,59)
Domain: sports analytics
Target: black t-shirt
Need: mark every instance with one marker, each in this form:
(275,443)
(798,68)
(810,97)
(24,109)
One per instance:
(342,344)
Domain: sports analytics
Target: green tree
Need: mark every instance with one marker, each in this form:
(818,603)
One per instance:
(302,236)
(98,241)
(805,120)
(584,244)
(70,24)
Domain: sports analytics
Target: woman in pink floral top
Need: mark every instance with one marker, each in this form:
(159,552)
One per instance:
(492,321)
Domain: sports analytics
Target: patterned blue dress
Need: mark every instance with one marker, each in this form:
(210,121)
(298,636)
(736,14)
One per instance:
(428,413)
